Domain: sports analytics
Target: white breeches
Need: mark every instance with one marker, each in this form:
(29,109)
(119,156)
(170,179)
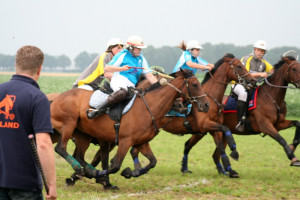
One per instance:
(86,87)
(241,92)
(118,81)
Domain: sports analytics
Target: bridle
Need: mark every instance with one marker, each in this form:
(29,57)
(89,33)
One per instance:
(286,77)
(241,78)
(188,97)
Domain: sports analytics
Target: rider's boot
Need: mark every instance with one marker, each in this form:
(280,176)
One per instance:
(113,99)
(241,105)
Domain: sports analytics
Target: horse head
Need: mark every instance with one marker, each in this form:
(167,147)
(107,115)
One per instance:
(292,74)
(228,69)
(238,71)
(191,89)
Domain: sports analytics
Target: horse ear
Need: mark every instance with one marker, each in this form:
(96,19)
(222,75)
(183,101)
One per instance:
(227,59)
(286,60)
(181,70)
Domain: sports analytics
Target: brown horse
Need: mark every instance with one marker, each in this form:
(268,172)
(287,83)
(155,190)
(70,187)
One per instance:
(269,115)
(214,84)
(138,126)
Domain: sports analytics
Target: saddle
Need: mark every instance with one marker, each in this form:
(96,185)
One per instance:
(115,112)
(230,102)
(231,107)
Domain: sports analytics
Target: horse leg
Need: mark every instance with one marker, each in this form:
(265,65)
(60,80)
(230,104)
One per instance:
(271,131)
(231,142)
(123,148)
(187,147)
(103,156)
(134,152)
(218,138)
(61,147)
(145,149)
(287,124)
(216,158)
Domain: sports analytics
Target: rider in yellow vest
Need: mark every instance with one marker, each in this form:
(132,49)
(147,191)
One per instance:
(258,67)
(94,74)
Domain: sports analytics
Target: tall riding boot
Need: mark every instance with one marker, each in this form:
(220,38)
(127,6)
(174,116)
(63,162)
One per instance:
(113,99)
(241,105)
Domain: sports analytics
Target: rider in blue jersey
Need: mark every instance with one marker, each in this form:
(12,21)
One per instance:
(127,66)
(190,59)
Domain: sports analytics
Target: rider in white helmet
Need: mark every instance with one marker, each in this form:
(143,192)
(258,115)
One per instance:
(190,59)
(258,67)
(127,66)
(94,74)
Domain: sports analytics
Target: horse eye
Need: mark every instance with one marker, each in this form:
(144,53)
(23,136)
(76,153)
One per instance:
(294,69)
(195,85)
(239,66)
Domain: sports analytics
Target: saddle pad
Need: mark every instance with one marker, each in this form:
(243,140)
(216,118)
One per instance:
(230,103)
(173,113)
(99,97)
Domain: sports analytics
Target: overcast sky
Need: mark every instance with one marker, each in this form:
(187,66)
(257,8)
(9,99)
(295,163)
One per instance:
(72,26)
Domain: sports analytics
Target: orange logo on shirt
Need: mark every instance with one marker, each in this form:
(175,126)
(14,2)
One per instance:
(6,105)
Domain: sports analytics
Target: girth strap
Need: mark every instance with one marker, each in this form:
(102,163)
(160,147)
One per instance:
(141,94)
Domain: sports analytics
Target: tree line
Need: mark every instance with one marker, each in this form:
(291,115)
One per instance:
(166,57)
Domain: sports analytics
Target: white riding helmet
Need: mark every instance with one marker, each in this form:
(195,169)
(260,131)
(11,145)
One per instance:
(260,44)
(114,41)
(193,44)
(136,41)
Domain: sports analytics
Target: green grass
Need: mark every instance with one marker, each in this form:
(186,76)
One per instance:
(263,167)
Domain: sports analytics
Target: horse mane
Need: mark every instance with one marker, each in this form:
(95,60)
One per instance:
(182,45)
(281,62)
(217,65)
(186,73)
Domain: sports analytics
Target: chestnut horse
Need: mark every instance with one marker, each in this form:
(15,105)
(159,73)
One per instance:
(214,84)
(269,115)
(138,126)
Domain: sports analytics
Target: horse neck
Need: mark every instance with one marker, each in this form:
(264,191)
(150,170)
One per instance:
(277,78)
(213,86)
(162,99)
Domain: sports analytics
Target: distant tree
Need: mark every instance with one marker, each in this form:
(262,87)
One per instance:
(7,62)
(63,61)
(50,62)
(165,57)
(83,60)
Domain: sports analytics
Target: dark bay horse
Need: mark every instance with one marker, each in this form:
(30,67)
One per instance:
(269,115)
(214,84)
(138,125)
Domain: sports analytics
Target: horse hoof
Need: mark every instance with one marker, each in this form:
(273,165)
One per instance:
(296,163)
(222,172)
(234,155)
(127,173)
(70,182)
(111,187)
(186,171)
(233,174)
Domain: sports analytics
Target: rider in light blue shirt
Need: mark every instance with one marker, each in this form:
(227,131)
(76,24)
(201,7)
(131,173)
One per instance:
(190,58)
(126,58)
(127,66)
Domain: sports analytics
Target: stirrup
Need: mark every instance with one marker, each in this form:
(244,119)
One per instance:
(239,127)
(92,114)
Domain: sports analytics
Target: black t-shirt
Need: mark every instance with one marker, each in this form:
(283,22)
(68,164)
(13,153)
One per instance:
(24,110)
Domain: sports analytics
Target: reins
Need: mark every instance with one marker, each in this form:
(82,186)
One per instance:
(221,105)
(284,87)
(187,96)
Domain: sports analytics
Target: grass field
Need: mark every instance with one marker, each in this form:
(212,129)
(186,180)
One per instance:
(263,166)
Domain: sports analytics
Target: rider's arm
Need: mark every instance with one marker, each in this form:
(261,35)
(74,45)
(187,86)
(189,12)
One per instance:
(199,66)
(46,156)
(112,68)
(151,78)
